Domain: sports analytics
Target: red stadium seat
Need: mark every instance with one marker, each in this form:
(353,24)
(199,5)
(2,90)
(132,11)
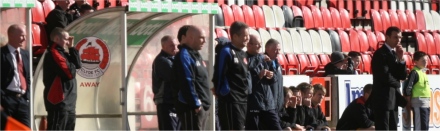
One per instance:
(380,39)
(306,67)
(394,19)
(437,40)
(293,66)
(429,66)
(326,18)
(39,39)
(420,20)
(367,7)
(248,15)
(357,11)
(259,17)
(376,5)
(269,2)
(332,3)
(48,6)
(315,62)
(363,41)
(349,7)
(281,2)
(283,62)
(421,42)
(308,17)
(435,67)
(227,15)
(409,62)
(384,5)
(99,4)
(377,21)
(372,41)
(304,2)
(366,60)
(325,59)
(297,11)
(354,41)
(412,24)
(38,13)
(221,33)
(345,19)
(429,40)
(288,3)
(345,41)
(112,3)
(403,20)
(385,17)
(434,5)
(317,17)
(336,18)
(220,2)
(238,13)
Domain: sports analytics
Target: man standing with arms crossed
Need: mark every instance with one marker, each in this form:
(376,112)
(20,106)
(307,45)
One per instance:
(193,96)
(388,68)
(162,85)
(231,79)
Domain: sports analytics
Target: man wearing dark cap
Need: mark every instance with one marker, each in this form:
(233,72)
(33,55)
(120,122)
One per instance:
(339,65)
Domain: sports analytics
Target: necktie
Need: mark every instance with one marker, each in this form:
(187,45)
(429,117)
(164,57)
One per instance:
(20,71)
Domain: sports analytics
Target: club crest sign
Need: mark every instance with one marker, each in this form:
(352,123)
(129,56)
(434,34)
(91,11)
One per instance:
(95,57)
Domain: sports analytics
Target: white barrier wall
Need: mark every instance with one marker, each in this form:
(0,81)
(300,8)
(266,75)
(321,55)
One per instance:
(294,80)
(350,87)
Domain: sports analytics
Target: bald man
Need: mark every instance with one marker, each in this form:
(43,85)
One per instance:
(162,85)
(261,107)
(15,75)
(193,94)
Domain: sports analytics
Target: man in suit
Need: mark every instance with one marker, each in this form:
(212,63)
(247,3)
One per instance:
(15,75)
(388,68)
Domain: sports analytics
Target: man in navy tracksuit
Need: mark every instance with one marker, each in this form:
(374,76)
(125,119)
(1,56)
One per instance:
(272,50)
(231,79)
(60,89)
(162,85)
(261,104)
(193,96)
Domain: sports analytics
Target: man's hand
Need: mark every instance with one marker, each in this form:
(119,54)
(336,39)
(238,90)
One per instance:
(197,110)
(399,52)
(70,44)
(299,128)
(287,129)
(266,58)
(293,102)
(307,102)
(269,74)
(262,73)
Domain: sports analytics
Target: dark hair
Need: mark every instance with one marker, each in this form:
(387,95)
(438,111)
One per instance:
(294,89)
(304,87)
(56,32)
(84,8)
(319,87)
(418,55)
(392,29)
(165,38)
(354,54)
(286,91)
(236,27)
(271,42)
(182,31)
(368,88)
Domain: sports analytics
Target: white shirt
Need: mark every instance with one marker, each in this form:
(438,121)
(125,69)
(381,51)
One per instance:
(15,83)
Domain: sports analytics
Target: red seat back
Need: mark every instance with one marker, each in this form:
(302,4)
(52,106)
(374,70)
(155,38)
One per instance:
(350,8)
(112,3)
(363,41)
(366,60)
(421,42)
(48,6)
(293,63)
(221,33)
(372,41)
(326,18)
(248,15)
(358,8)
(384,4)
(375,4)
(314,60)
(377,21)
(409,62)
(238,13)
(297,11)
(367,8)
(39,39)
(394,19)
(336,17)
(101,4)
(380,37)
(304,62)
(385,17)
(283,62)
(435,60)
(38,13)
(308,17)
(227,15)
(429,41)
(345,41)
(325,59)
(420,19)
(412,24)
(354,41)
(259,17)
(402,20)
(436,40)
(332,3)
(317,16)
(345,18)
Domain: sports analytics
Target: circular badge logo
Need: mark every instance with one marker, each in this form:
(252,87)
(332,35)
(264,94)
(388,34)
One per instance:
(95,57)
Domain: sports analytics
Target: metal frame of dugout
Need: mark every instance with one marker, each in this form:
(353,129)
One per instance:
(126,33)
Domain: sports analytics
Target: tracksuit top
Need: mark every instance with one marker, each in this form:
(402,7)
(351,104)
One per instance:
(231,75)
(261,97)
(191,80)
(59,71)
(163,78)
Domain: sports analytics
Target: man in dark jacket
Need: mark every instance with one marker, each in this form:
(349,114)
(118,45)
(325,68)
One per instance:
(193,97)
(162,85)
(59,71)
(389,68)
(58,17)
(261,106)
(320,122)
(272,50)
(339,65)
(357,115)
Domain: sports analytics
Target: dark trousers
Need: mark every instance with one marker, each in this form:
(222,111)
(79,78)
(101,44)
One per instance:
(262,120)
(190,120)
(217,121)
(232,115)
(421,118)
(61,120)
(385,119)
(167,117)
(17,107)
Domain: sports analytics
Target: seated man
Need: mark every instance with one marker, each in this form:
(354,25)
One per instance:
(339,65)
(292,99)
(357,115)
(304,116)
(320,121)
